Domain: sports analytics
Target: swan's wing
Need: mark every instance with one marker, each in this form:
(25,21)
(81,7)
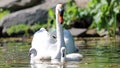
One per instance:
(41,30)
(43,42)
(43,39)
(40,38)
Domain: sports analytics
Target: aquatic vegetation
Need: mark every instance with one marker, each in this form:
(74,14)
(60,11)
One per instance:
(13,52)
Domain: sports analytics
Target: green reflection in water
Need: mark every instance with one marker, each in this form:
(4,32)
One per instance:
(14,53)
(102,55)
(97,54)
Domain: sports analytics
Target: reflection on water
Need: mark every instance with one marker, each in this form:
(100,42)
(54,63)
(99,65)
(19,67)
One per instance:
(102,53)
(47,65)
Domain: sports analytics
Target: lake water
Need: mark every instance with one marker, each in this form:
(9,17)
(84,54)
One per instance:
(98,53)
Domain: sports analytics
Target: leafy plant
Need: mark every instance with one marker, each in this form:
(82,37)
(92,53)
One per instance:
(51,18)
(38,25)
(25,28)
(104,14)
(3,13)
(18,28)
(70,14)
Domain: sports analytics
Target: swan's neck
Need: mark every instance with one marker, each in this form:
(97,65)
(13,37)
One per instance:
(60,35)
(60,38)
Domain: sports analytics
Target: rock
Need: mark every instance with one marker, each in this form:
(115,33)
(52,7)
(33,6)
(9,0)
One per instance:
(14,5)
(83,32)
(29,16)
(103,33)
(81,3)
(92,33)
(77,31)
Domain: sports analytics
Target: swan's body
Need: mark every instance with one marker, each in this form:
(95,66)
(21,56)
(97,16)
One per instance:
(69,57)
(45,46)
(69,41)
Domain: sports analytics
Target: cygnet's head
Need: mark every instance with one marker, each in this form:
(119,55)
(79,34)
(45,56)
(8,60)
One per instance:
(63,54)
(32,52)
(63,51)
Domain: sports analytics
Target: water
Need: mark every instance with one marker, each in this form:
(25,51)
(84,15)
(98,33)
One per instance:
(98,53)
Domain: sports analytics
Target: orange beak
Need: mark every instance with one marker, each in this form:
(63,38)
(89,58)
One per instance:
(60,18)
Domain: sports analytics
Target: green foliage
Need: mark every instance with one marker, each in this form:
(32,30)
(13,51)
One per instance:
(51,18)
(37,26)
(70,15)
(18,28)
(104,14)
(3,13)
(25,28)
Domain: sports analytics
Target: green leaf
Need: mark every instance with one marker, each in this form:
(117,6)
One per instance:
(51,12)
(97,17)
(111,21)
(116,9)
(4,13)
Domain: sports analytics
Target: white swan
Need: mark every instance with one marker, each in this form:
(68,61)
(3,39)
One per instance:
(60,54)
(70,57)
(45,46)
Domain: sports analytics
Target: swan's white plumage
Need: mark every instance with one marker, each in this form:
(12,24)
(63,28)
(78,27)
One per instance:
(48,47)
(69,42)
(74,57)
(41,43)
(70,57)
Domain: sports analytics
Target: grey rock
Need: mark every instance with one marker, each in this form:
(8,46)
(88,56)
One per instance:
(14,5)
(77,31)
(81,3)
(29,16)
(92,33)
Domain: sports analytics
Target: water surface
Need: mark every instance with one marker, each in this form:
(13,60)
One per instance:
(98,53)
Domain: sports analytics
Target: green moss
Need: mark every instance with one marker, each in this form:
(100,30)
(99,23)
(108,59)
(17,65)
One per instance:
(25,28)
(17,28)
(37,26)
(3,13)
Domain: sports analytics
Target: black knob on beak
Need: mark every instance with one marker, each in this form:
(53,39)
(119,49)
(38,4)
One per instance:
(61,12)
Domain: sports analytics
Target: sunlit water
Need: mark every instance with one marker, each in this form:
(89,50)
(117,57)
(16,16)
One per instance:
(102,53)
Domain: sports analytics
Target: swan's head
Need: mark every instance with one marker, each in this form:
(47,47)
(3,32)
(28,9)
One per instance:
(59,12)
